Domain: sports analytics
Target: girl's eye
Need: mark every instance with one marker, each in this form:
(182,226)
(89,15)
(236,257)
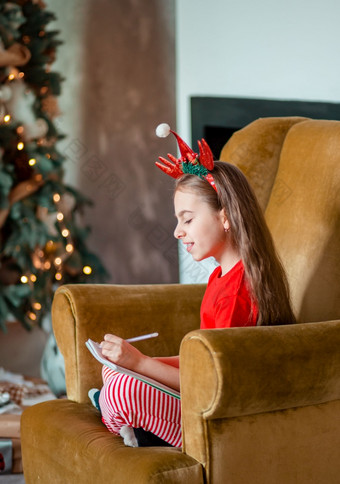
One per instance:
(188,221)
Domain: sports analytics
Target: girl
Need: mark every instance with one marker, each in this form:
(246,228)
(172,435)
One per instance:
(217,216)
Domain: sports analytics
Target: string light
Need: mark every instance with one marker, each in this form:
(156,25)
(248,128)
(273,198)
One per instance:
(20,146)
(13,74)
(33,277)
(20,129)
(87,270)
(24,279)
(32,316)
(37,306)
(32,161)
(47,265)
(7,118)
(69,248)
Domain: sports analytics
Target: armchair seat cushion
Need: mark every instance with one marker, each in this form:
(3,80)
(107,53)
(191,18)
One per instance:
(65,428)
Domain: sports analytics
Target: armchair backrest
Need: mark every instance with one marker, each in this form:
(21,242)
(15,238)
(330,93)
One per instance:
(293,165)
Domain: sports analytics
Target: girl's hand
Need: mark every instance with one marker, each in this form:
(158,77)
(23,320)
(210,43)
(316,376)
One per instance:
(121,352)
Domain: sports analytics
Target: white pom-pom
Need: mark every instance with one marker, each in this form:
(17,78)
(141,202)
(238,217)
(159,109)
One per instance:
(163,130)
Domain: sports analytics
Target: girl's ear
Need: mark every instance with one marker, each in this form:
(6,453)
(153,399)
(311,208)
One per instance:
(224,219)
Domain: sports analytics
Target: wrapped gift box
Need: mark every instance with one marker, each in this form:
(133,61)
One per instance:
(10,447)
(10,456)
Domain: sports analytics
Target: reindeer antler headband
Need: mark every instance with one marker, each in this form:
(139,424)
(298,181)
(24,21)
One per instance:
(190,162)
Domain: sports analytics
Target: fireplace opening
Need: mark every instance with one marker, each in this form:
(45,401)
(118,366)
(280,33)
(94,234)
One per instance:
(216,118)
(216,137)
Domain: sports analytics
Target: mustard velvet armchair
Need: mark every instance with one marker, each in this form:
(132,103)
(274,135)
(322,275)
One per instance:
(259,405)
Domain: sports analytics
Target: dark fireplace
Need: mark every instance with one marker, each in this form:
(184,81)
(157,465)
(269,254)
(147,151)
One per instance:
(216,118)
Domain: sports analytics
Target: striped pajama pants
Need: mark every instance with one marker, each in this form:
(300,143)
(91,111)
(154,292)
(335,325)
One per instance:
(124,400)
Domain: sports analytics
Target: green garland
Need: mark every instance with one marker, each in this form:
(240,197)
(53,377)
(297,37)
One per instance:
(195,169)
(38,251)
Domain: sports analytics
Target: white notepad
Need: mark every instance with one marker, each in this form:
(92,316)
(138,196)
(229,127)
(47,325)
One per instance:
(96,351)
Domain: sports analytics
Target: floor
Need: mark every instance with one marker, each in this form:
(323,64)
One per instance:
(12,479)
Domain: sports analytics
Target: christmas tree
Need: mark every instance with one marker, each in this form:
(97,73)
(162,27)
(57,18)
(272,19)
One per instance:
(42,240)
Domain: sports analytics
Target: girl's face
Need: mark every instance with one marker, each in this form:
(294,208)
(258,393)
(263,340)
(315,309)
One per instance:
(199,227)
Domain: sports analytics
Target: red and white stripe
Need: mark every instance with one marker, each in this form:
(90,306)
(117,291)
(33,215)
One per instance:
(124,400)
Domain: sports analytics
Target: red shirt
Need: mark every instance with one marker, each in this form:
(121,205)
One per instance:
(226,302)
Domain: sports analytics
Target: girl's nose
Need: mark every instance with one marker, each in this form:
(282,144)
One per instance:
(178,232)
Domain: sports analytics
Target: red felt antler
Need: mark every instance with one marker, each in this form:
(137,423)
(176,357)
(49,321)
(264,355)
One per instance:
(171,169)
(206,156)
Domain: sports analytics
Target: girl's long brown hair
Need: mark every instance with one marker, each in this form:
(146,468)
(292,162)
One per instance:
(264,272)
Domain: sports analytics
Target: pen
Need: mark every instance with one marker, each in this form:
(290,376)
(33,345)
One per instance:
(140,338)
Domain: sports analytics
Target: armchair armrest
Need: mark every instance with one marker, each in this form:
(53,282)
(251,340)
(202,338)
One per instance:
(229,374)
(82,311)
